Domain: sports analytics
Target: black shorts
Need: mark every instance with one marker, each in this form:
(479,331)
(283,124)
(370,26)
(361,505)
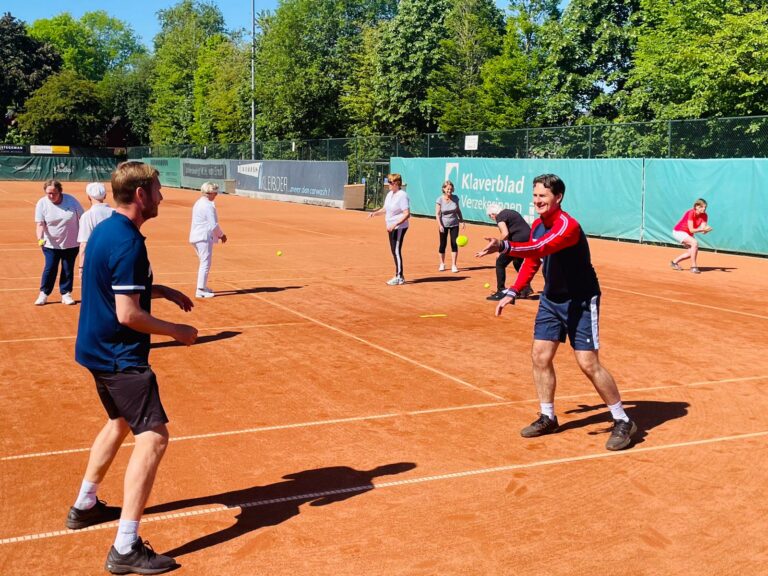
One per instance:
(131,394)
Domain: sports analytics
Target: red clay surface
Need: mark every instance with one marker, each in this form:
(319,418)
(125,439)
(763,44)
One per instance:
(321,426)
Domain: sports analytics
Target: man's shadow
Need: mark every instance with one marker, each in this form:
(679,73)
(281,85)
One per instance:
(201,340)
(647,414)
(716,268)
(272,504)
(258,290)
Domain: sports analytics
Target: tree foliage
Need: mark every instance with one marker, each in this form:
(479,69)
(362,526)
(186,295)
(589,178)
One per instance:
(66,109)
(185,27)
(127,92)
(25,63)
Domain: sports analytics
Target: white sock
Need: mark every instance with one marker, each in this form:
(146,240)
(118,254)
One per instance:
(87,497)
(617,412)
(127,534)
(548,410)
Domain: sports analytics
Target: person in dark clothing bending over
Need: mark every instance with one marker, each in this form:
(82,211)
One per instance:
(512,227)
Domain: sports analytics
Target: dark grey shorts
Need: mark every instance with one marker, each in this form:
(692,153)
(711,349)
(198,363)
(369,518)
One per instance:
(132,394)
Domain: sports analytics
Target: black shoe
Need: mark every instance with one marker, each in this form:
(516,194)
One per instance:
(526,292)
(78,519)
(621,435)
(496,296)
(140,560)
(544,425)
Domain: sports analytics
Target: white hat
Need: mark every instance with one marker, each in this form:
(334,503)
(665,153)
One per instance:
(96,190)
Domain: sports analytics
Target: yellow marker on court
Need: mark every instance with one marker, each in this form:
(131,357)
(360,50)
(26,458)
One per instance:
(433,315)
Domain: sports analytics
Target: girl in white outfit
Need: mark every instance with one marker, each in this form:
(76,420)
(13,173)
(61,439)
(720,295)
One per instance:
(204,233)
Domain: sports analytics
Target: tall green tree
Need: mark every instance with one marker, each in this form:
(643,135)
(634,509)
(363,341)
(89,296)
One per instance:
(25,63)
(91,46)
(698,59)
(184,29)
(587,59)
(409,54)
(66,109)
(127,92)
(475,29)
(305,57)
(222,104)
(358,96)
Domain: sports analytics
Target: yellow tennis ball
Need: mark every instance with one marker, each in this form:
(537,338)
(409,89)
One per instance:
(462,240)
(41,242)
(279,252)
(486,285)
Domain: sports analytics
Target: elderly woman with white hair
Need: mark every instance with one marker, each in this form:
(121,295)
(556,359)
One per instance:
(204,233)
(513,227)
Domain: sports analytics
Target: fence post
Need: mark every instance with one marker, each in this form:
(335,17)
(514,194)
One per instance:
(669,140)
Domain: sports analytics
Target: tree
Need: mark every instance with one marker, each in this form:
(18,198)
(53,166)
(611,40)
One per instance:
(127,91)
(91,46)
(304,60)
(587,58)
(66,109)
(222,93)
(409,55)
(184,29)
(25,63)
(358,96)
(475,30)
(699,59)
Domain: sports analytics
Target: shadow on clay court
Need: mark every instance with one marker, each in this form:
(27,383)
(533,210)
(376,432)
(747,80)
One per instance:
(201,340)
(259,290)
(437,279)
(647,414)
(716,268)
(273,504)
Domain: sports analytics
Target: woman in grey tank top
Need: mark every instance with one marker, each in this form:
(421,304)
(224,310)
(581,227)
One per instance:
(448,216)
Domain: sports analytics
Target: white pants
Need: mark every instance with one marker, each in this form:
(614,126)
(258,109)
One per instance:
(205,253)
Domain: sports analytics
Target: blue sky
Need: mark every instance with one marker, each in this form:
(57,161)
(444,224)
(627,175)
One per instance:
(140,14)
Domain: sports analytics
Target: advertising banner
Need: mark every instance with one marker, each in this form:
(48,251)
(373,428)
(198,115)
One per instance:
(169,168)
(195,172)
(61,168)
(605,196)
(307,182)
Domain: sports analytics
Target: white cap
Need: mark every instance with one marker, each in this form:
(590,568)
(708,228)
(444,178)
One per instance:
(96,190)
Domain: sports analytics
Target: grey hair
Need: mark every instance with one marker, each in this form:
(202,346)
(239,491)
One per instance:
(208,187)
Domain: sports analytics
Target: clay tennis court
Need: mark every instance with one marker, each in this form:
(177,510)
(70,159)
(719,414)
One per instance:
(322,426)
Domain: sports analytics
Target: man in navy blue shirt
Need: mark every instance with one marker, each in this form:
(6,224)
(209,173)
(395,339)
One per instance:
(113,343)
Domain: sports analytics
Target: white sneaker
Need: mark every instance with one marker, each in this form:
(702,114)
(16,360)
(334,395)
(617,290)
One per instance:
(67,299)
(396,281)
(42,298)
(442,268)
(454,269)
(204,294)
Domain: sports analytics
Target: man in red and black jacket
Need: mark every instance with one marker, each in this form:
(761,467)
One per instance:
(569,305)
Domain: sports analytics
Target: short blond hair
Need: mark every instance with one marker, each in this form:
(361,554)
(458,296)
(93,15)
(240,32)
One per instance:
(209,187)
(130,175)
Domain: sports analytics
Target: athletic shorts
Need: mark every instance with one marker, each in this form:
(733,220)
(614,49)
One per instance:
(576,318)
(679,235)
(131,394)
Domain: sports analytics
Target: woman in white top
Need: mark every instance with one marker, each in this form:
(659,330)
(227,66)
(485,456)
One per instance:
(397,209)
(56,225)
(449,217)
(204,233)
(98,212)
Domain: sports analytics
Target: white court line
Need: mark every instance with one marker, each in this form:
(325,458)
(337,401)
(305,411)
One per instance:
(385,416)
(275,324)
(395,483)
(376,346)
(677,301)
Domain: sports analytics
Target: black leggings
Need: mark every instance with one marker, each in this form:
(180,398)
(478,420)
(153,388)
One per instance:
(501,269)
(454,232)
(396,238)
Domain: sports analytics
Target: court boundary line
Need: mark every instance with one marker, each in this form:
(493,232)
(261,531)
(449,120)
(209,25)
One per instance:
(370,417)
(373,345)
(397,483)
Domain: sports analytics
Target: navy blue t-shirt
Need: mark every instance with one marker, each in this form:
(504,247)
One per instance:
(116,262)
